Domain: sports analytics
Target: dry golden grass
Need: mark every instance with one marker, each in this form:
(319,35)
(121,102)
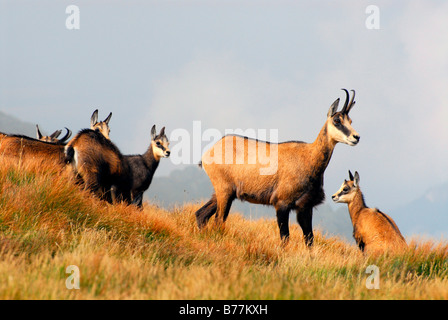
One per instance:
(47,223)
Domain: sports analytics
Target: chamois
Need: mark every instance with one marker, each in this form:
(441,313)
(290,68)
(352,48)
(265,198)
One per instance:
(23,147)
(373,230)
(99,164)
(143,167)
(236,166)
(53,138)
(109,174)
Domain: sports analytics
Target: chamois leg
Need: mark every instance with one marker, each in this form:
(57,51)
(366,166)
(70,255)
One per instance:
(206,212)
(113,194)
(138,200)
(224,202)
(283,223)
(304,218)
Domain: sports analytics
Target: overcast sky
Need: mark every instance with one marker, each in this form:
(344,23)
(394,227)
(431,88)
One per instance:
(242,64)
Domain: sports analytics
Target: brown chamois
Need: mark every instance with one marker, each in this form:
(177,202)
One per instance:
(23,147)
(53,138)
(236,166)
(99,164)
(142,167)
(373,230)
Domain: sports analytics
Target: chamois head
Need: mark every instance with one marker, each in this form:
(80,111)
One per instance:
(339,124)
(348,189)
(102,126)
(53,138)
(159,143)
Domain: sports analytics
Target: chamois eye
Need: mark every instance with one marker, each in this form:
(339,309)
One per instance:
(337,121)
(345,189)
(158,143)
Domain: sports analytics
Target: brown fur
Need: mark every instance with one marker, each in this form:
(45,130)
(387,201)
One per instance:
(100,165)
(374,231)
(297,182)
(23,148)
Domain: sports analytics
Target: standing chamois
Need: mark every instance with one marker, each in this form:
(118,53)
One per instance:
(23,147)
(236,166)
(144,166)
(53,138)
(373,230)
(109,174)
(99,164)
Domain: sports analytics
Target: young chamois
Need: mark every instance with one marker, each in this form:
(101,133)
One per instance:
(236,166)
(23,147)
(53,138)
(373,230)
(143,167)
(109,174)
(99,164)
(102,126)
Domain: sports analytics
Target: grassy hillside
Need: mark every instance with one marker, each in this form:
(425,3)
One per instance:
(47,224)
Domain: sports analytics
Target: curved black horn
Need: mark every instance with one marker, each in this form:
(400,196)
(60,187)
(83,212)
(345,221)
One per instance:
(352,102)
(347,97)
(67,135)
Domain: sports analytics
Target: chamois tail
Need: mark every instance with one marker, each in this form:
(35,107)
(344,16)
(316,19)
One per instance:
(206,212)
(69,154)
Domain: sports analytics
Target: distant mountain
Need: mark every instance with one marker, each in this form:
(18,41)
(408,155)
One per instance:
(193,185)
(12,125)
(427,215)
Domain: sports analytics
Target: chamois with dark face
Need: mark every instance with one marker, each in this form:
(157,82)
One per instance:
(53,138)
(288,175)
(143,167)
(373,230)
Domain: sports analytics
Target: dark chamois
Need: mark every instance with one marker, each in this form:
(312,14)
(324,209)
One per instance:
(100,166)
(374,231)
(288,175)
(109,174)
(142,167)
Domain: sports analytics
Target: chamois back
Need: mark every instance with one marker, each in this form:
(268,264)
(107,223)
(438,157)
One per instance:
(100,165)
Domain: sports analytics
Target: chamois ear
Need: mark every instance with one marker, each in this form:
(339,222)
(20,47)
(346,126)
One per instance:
(356,180)
(350,175)
(333,108)
(153,132)
(39,135)
(162,132)
(108,118)
(94,118)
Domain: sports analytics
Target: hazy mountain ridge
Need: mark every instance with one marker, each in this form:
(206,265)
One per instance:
(12,125)
(427,215)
